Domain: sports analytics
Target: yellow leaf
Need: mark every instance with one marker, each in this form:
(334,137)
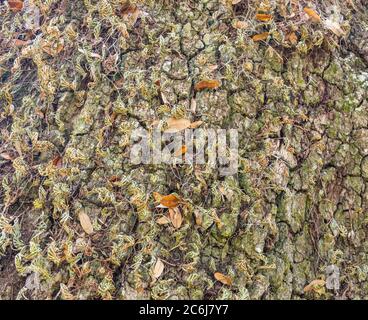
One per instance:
(223,279)
(85,222)
(158,269)
(313,15)
(207,84)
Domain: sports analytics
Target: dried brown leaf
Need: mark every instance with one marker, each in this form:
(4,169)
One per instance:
(240,25)
(15,5)
(314,285)
(157,196)
(260,37)
(175,217)
(292,38)
(207,84)
(169,201)
(176,125)
(163,220)
(158,269)
(223,278)
(195,124)
(57,161)
(263,17)
(20,43)
(6,156)
(313,15)
(85,222)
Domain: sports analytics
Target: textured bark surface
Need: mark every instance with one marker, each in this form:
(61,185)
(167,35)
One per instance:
(289,223)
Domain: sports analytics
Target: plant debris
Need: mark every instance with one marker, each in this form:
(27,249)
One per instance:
(79,220)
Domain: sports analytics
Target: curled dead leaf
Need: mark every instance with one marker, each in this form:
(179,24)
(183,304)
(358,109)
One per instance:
(85,222)
(175,217)
(223,278)
(158,269)
(207,84)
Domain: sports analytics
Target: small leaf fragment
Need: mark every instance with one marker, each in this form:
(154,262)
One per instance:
(181,151)
(157,196)
(260,37)
(195,124)
(176,125)
(169,201)
(175,217)
(240,25)
(263,17)
(292,38)
(20,43)
(158,269)
(207,84)
(57,161)
(315,286)
(313,15)
(223,278)
(163,220)
(15,5)
(334,27)
(6,156)
(85,222)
